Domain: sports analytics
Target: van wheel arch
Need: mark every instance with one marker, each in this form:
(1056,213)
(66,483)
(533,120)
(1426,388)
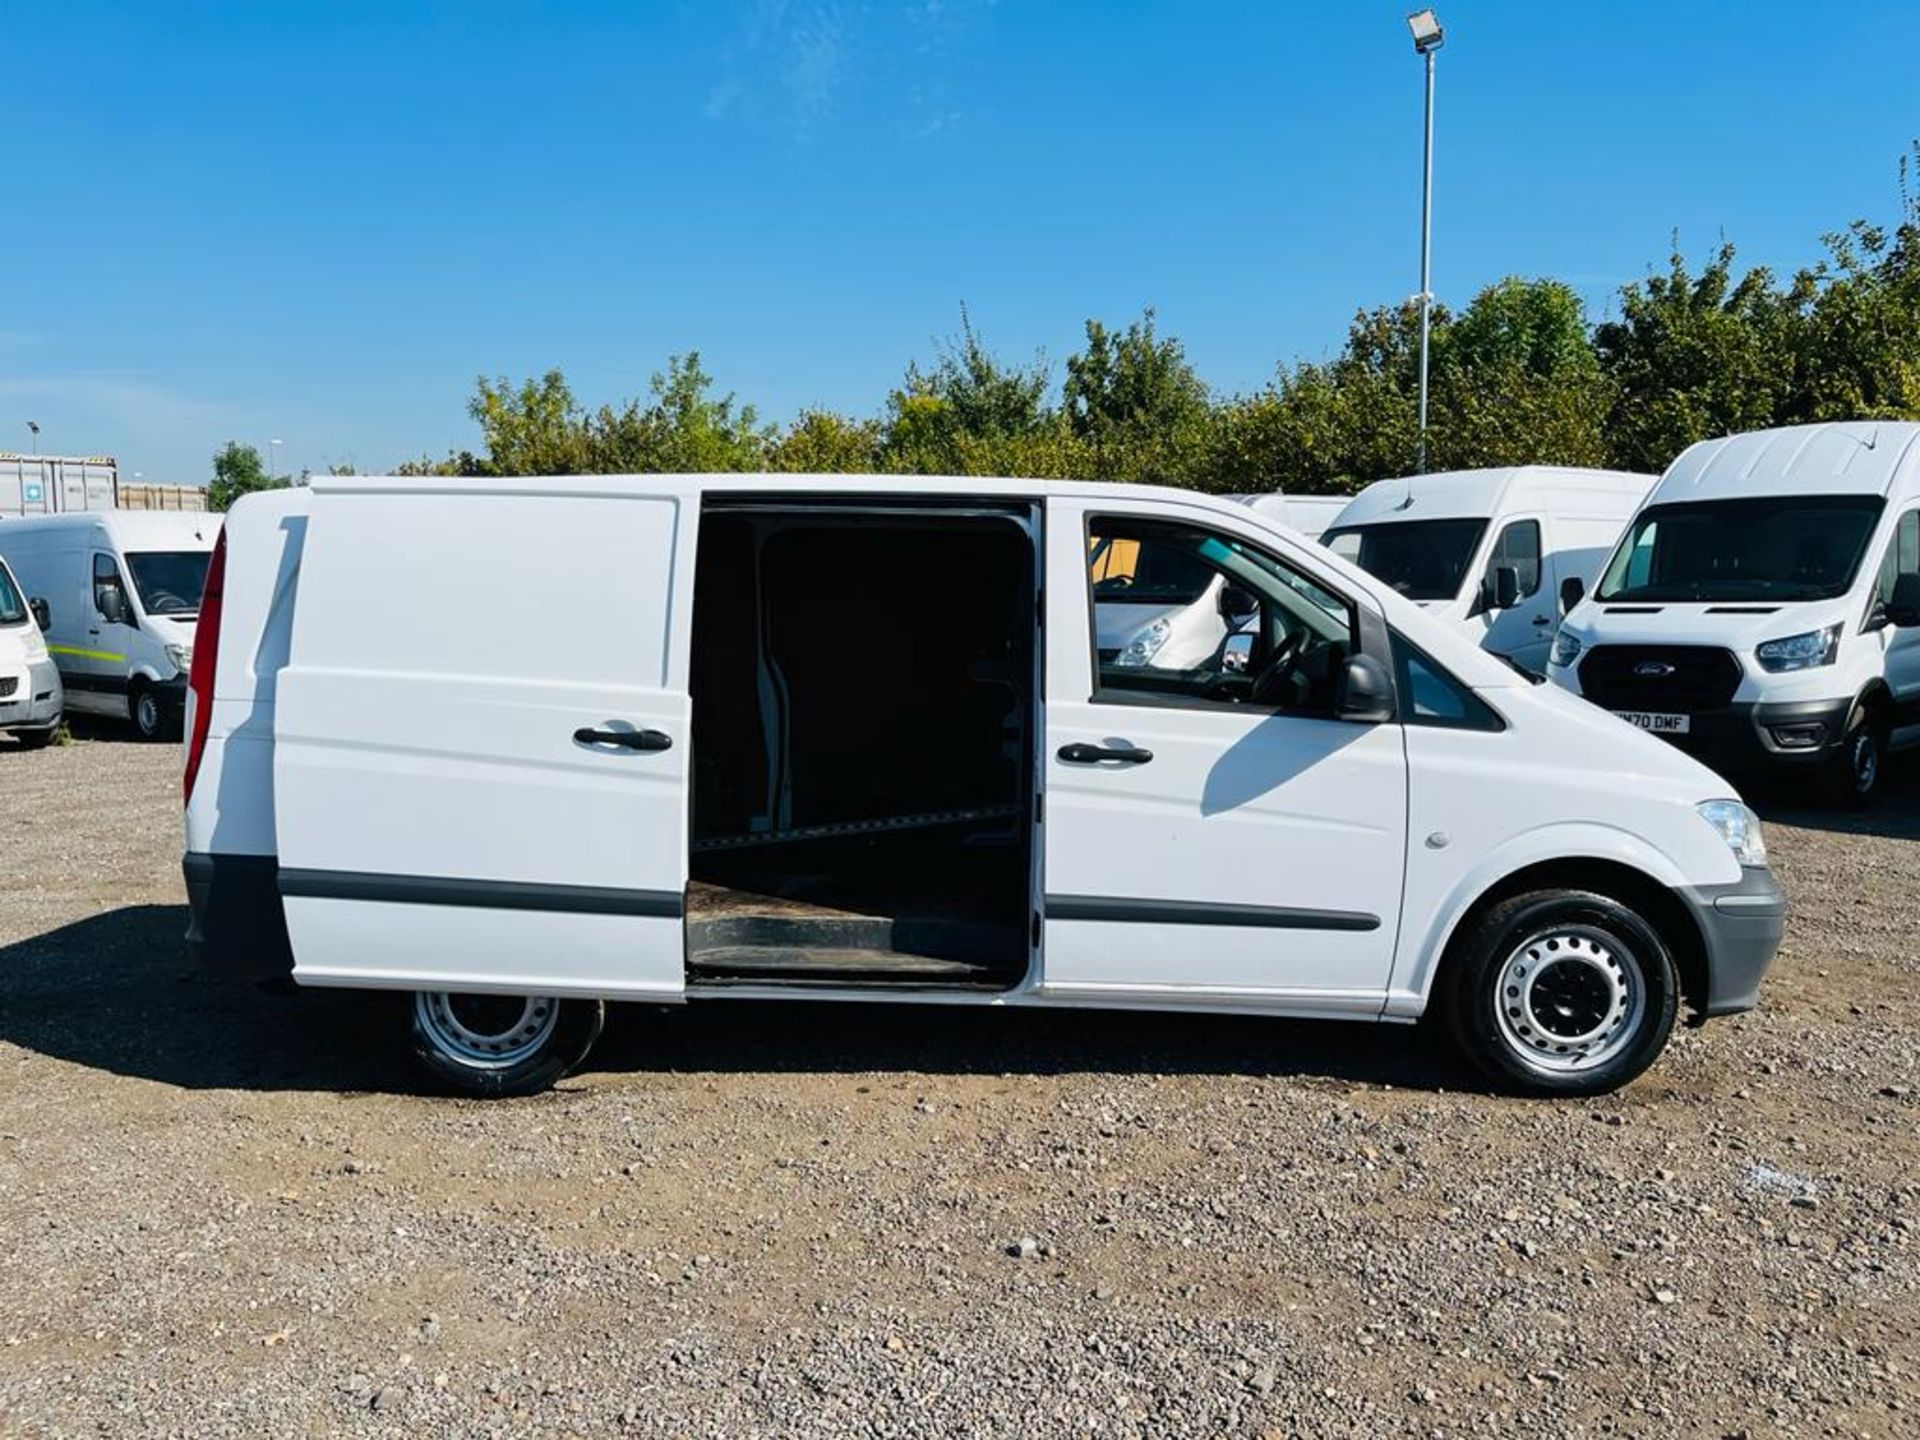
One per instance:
(1636,889)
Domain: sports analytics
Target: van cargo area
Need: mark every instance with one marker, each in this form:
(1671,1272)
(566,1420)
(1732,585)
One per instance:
(863,685)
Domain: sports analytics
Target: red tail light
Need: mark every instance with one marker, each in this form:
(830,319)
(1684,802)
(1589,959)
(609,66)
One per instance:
(206,653)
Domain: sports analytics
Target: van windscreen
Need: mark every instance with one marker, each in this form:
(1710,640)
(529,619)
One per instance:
(1791,547)
(13,610)
(1422,559)
(169,581)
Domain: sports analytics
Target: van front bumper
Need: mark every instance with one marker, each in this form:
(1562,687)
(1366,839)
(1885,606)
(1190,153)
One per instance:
(35,697)
(1740,925)
(237,925)
(1749,734)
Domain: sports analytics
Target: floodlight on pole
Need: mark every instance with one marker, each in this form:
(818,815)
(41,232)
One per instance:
(1428,37)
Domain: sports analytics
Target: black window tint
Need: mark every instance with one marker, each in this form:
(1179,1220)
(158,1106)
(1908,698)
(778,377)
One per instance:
(1519,546)
(1430,696)
(105,572)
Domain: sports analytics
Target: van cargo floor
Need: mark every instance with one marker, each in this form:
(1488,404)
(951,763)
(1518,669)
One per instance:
(742,935)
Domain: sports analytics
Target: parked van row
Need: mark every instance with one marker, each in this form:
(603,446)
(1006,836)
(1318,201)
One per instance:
(663,775)
(114,595)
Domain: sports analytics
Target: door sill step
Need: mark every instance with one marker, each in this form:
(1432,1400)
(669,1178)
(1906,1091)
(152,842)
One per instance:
(754,964)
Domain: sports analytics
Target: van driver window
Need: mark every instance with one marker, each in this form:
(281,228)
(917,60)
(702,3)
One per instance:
(1519,546)
(1903,556)
(1197,617)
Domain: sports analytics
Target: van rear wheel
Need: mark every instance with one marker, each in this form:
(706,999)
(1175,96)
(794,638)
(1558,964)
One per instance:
(1562,992)
(497,1045)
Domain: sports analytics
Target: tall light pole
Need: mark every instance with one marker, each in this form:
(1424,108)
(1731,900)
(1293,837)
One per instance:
(34,426)
(1428,37)
(273,469)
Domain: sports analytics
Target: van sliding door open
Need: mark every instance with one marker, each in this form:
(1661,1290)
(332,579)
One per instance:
(482,757)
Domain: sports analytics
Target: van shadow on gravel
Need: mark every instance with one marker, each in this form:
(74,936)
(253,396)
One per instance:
(1787,797)
(117,992)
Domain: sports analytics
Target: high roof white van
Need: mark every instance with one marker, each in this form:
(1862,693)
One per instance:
(30,696)
(121,589)
(518,747)
(1491,552)
(1763,609)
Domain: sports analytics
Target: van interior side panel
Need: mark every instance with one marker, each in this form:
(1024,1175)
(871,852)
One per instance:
(863,733)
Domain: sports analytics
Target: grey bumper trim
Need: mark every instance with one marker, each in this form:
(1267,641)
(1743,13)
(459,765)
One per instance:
(1741,925)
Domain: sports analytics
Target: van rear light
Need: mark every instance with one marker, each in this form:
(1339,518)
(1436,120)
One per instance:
(206,654)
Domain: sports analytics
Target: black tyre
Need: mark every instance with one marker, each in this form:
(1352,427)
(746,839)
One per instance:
(1854,774)
(495,1045)
(1561,992)
(36,739)
(147,709)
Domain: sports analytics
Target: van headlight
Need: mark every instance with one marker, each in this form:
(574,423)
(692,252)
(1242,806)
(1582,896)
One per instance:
(1566,648)
(181,656)
(1144,645)
(1799,652)
(1739,827)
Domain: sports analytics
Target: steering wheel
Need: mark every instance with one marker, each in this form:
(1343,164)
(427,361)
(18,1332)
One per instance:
(1266,684)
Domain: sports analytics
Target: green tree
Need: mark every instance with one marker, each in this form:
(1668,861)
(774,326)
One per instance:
(237,471)
(1134,399)
(533,428)
(1693,356)
(968,407)
(821,442)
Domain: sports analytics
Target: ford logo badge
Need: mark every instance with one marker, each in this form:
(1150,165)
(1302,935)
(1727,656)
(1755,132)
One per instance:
(1653,669)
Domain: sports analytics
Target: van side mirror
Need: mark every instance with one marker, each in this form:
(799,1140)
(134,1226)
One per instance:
(1237,602)
(1572,591)
(1903,609)
(42,613)
(1503,588)
(1366,692)
(111,603)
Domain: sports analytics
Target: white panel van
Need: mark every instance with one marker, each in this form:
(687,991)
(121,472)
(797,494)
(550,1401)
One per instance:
(658,772)
(1490,552)
(30,696)
(122,588)
(1763,609)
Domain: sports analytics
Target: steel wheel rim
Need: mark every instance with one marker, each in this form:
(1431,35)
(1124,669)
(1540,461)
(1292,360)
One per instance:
(486,1032)
(146,714)
(1569,999)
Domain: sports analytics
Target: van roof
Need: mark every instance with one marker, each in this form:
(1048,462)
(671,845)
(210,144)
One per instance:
(1840,457)
(177,529)
(755,483)
(1481,494)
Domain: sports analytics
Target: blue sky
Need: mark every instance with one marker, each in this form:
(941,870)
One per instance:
(319,222)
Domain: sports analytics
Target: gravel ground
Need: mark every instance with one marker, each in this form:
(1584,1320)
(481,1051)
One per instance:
(229,1213)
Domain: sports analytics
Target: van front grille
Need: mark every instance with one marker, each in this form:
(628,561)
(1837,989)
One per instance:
(1676,679)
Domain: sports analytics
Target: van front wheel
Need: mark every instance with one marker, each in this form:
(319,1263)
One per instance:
(1562,992)
(148,712)
(496,1045)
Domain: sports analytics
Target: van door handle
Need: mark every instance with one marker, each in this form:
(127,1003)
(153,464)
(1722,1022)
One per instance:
(1543,619)
(626,739)
(1083,754)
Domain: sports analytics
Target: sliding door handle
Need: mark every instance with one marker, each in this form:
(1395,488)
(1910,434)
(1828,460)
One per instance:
(1084,754)
(626,739)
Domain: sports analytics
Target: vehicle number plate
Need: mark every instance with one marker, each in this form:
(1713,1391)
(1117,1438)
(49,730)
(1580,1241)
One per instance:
(1658,724)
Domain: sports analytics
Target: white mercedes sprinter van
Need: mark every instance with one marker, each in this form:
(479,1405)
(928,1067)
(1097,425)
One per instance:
(1490,552)
(659,773)
(122,588)
(1764,608)
(30,696)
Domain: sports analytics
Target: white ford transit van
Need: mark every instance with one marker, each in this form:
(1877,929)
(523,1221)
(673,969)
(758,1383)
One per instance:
(30,696)
(122,588)
(1489,551)
(1764,608)
(659,773)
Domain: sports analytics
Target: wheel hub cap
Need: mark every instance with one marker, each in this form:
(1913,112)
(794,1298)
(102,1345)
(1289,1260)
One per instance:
(1568,999)
(487,1032)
